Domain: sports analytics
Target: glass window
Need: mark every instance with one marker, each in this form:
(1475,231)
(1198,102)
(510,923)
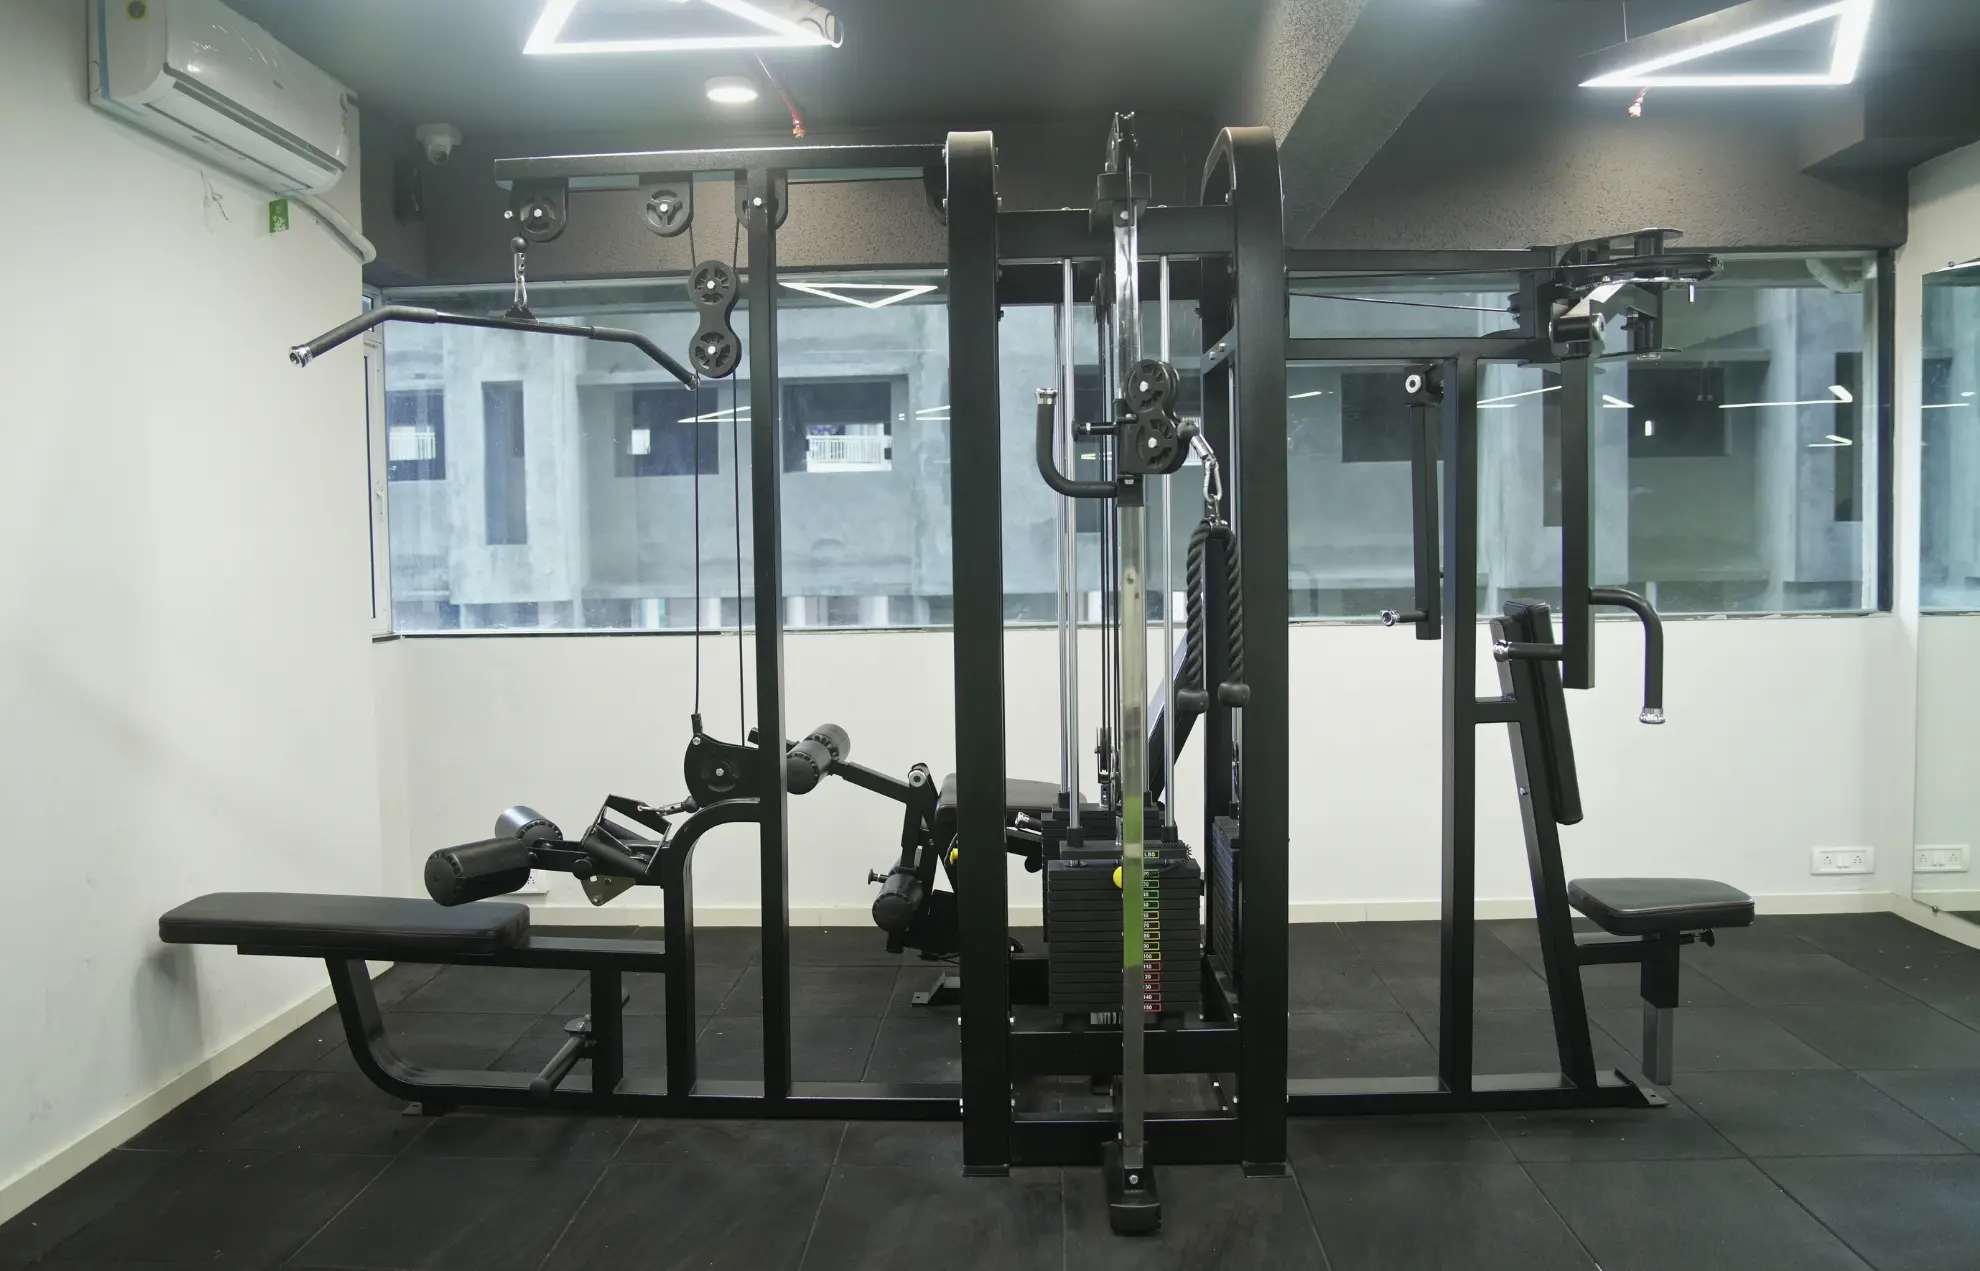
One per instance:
(1731,475)
(416,435)
(1949,539)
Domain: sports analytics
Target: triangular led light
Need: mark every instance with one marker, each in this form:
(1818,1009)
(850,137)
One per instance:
(763,30)
(1657,60)
(863,293)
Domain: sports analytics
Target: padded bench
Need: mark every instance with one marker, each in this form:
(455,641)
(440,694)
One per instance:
(355,924)
(1656,906)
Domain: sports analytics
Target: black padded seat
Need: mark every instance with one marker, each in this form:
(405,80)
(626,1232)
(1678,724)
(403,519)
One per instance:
(1656,906)
(1019,796)
(369,924)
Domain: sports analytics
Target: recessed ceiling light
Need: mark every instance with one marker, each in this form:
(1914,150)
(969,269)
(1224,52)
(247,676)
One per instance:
(1839,396)
(731,90)
(1505,403)
(769,31)
(1736,27)
(861,293)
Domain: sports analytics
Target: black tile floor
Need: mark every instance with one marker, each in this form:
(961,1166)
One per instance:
(1825,1113)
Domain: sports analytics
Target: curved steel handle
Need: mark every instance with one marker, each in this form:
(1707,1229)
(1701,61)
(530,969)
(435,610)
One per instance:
(303,354)
(1653,646)
(1048,466)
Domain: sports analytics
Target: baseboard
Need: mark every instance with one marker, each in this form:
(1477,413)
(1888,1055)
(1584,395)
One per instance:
(1819,902)
(1965,900)
(46,1175)
(1936,919)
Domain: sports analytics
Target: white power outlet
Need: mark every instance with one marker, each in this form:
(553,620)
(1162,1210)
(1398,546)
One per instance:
(1844,860)
(1949,859)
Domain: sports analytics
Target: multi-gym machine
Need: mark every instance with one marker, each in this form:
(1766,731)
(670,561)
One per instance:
(1568,302)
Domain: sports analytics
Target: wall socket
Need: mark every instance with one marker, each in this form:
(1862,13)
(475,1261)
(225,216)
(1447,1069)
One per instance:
(1950,859)
(1844,860)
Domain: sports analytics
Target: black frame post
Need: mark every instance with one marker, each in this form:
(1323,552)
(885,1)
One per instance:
(1243,171)
(1460,845)
(976,509)
(766,456)
(1577,521)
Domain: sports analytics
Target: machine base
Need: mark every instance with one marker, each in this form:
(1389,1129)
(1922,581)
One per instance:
(1133,1207)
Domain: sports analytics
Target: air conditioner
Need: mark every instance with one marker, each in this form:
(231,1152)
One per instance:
(209,81)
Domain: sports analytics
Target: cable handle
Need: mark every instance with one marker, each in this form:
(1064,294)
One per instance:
(1048,464)
(1653,646)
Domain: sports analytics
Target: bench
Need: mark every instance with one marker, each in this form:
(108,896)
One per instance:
(1643,920)
(346,932)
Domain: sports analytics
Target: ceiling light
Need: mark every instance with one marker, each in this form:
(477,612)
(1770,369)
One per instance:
(770,32)
(1652,57)
(930,412)
(1946,405)
(715,416)
(1612,402)
(1832,442)
(731,90)
(1300,397)
(859,293)
(1842,396)
(1505,403)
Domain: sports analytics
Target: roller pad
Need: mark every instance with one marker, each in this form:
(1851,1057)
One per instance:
(807,763)
(476,871)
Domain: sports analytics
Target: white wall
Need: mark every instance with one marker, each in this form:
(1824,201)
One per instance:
(1772,750)
(185,676)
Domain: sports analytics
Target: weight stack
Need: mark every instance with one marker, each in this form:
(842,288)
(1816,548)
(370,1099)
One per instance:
(1083,926)
(1225,911)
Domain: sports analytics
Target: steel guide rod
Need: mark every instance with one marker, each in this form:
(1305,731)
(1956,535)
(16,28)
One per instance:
(1132,521)
(1068,539)
(1166,533)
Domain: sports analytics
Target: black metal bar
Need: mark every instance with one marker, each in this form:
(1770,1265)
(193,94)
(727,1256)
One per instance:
(1494,710)
(1393,263)
(1068,234)
(1460,744)
(1243,171)
(1577,407)
(303,354)
(976,528)
(683,1022)
(1653,645)
(1488,348)
(572,953)
(1886,430)
(1520,680)
(766,452)
(799,161)
(1097,1052)
(1426,548)
(1489,1092)
(608,1031)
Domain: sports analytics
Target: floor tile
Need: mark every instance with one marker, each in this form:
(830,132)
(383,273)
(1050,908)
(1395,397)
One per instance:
(930,1145)
(195,1211)
(648,1217)
(822,1048)
(1615,988)
(1521,1041)
(995,1224)
(820,990)
(1317,944)
(1418,945)
(1500,986)
(1932,976)
(1358,1044)
(916,1048)
(303,1047)
(202,1118)
(1827,1113)
(1338,986)
(1670,1132)
(643,1046)
(647,991)
(1848,935)
(102,1186)
(1718,1039)
(718,1145)
(841,946)
(401,981)
(718,946)
(1875,1035)
(526,1135)
(1212,1217)
(456,1214)
(1695,1215)
(335,1112)
(494,990)
(1948,1098)
(441,1039)
(1381,1140)
(1478,1216)
(1900,1214)
(1789,979)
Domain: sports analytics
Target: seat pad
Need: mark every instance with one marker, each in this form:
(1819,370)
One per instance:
(1649,906)
(370,924)
(1036,797)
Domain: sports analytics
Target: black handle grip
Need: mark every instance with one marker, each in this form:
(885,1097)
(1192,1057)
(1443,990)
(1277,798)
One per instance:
(899,901)
(808,762)
(476,871)
(559,1067)
(611,858)
(303,354)
(1048,467)
(1653,646)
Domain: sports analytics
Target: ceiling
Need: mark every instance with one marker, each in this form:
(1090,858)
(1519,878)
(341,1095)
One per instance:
(954,63)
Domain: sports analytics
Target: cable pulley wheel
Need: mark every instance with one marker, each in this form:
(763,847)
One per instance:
(668,213)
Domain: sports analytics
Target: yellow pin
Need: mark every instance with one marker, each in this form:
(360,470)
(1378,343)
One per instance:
(1117,876)
(954,852)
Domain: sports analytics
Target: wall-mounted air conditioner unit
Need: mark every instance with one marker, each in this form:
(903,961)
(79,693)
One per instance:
(213,83)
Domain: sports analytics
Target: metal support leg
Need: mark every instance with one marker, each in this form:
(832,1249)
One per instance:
(608,1032)
(1659,983)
